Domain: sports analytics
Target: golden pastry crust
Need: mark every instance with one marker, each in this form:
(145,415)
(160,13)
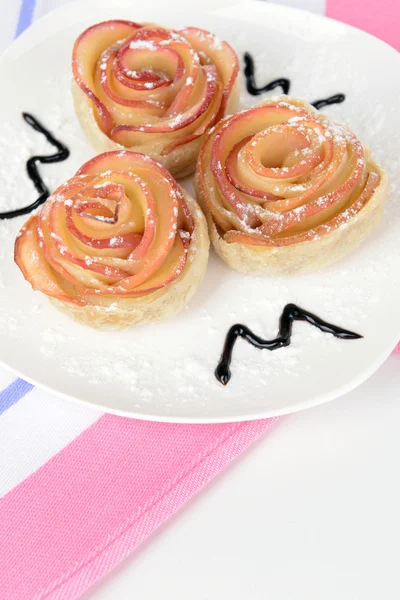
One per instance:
(112,252)
(306,256)
(295,246)
(152,90)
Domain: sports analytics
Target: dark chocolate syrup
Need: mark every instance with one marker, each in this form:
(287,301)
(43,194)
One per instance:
(283,83)
(251,83)
(336,99)
(291,313)
(32,168)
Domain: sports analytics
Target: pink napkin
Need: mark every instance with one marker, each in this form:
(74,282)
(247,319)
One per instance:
(94,502)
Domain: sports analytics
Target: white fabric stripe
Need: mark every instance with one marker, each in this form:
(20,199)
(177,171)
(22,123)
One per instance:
(33,430)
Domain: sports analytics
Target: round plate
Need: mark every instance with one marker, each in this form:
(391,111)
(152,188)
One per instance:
(166,371)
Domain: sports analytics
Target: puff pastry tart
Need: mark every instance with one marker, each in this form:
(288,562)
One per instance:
(286,190)
(118,244)
(152,90)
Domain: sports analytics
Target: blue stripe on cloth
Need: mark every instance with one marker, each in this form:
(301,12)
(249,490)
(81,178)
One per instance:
(25,15)
(18,388)
(14,392)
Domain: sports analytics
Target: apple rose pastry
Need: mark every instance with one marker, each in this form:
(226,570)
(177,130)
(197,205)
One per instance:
(286,190)
(118,244)
(152,90)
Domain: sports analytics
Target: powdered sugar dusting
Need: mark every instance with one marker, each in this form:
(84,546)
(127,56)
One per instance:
(142,45)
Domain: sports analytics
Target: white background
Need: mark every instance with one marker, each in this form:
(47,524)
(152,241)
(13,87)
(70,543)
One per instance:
(311,512)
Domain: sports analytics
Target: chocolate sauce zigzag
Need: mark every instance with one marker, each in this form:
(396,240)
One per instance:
(32,168)
(283,82)
(336,99)
(290,313)
(251,83)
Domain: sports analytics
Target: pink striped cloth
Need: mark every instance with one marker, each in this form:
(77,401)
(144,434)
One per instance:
(95,501)
(103,484)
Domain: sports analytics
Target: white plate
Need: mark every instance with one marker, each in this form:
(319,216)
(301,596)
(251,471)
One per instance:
(166,371)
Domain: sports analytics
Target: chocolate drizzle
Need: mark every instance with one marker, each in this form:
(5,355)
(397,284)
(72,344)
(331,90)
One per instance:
(251,83)
(336,99)
(32,168)
(282,82)
(291,313)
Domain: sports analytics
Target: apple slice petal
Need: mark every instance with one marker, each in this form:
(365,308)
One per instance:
(29,258)
(170,270)
(124,134)
(220,53)
(274,174)
(152,87)
(87,49)
(113,192)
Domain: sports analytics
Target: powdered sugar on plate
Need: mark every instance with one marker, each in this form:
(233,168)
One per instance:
(166,370)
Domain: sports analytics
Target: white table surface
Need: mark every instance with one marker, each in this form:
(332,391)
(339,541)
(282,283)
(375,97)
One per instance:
(311,512)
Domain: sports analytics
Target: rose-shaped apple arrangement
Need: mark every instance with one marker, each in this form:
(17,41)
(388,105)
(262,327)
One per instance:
(285,189)
(118,244)
(152,90)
